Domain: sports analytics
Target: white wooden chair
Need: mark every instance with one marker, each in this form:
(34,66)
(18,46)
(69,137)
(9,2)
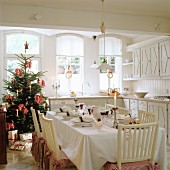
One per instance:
(57,158)
(146,117)
(36,137)
(136,147)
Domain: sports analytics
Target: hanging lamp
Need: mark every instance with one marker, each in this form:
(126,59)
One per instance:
(68,73)
(94,65)
(104,65)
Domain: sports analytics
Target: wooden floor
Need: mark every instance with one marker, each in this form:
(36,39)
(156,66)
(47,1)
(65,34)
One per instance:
(23,160)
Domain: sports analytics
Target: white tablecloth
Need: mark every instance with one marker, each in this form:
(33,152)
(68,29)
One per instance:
(89,148)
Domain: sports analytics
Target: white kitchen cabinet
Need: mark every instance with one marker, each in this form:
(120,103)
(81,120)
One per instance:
(53,104)
(134,108)
(142,105)
(160,109)
(126,103)
(99,102)
(164,48)
(136,63)
(118,101)
(169,123)
(150,61)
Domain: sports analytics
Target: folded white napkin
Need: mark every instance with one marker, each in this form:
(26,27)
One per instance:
(85,119)
(120,116)
(65,109)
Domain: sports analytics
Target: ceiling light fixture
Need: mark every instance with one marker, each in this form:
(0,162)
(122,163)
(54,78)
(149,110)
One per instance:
(94,65)
(104,65)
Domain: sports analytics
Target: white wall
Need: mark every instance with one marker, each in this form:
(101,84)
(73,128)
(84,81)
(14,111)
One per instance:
(154,87)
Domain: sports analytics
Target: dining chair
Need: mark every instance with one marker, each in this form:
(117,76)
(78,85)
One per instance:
(124,111)
(57,158)
(146,117)
(36,137)
(136,147)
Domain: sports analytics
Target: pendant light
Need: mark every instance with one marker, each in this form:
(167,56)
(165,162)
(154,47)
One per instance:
(104,65)
(68,72)
(94,65)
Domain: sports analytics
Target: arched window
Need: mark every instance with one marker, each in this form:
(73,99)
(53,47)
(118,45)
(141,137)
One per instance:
(69,52)
(110,49)
(15,45)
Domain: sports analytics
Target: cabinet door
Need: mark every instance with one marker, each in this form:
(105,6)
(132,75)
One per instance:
(134,108)
(126,103)
(149,61)
(118,102)
(165,58)
(85,101)
(99,102)
(142,105)
(160,109)
(169,123)
(136,63)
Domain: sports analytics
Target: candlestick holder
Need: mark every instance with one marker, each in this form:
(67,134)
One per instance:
(115,123)
(56,86)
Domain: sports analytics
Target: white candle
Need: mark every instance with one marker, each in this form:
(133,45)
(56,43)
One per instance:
(115,100)
(17,92)
(17,112)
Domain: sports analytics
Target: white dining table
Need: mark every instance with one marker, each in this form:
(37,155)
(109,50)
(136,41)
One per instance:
(89,148)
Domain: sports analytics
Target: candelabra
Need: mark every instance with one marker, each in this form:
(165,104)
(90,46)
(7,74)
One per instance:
(56,86)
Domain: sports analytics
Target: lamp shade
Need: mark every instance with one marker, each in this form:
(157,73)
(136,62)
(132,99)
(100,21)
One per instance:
(94,65)
(104,66)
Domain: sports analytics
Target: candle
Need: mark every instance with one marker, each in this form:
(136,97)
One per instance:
(30,87)
(17,92)
(17,112)
(115,100)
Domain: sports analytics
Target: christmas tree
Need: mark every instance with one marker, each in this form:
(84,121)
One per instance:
(23,91)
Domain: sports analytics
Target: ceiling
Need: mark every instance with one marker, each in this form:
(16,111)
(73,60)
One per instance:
(159,8)
(156,8)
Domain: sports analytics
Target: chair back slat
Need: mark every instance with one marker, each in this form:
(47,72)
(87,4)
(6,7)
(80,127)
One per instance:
(146,117)
(35,121)
(137,142)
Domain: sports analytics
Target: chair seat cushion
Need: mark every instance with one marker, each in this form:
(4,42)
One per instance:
(142,165)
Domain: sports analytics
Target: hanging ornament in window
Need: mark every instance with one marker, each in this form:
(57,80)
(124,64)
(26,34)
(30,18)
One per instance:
(110,74)
(68,73)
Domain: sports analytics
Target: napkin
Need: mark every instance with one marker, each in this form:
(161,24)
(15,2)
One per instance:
(65,109)
(79,119)
(68,113)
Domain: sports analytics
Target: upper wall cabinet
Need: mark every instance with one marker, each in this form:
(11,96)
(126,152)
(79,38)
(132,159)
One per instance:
(136,63)
(150,61)
(164,58)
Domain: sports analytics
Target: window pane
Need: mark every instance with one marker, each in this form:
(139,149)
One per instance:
(113,46)
(15,44)
(70,46)
(13,64)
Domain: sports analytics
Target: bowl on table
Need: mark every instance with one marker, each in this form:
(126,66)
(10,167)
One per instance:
(141,94)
